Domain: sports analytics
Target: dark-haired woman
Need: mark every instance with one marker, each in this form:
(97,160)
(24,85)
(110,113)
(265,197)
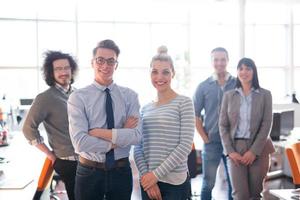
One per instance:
(245,122)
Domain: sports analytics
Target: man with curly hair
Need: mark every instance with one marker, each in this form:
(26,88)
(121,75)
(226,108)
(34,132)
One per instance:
(50,108)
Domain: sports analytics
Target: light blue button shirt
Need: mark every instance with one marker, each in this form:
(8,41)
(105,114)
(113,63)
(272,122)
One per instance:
(243,129)
(208,98)
(86,110)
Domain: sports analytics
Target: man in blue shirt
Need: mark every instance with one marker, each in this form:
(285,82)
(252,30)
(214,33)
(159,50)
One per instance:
(208,98)
(93,136)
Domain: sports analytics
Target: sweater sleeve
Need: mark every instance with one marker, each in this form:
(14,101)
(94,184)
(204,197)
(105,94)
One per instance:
(36,115)
(139,156)
(139,159)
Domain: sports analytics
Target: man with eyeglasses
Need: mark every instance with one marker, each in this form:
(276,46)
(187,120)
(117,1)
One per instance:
(50,108)
(104,123)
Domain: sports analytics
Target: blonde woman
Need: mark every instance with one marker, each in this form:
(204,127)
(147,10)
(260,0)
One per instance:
(168,131)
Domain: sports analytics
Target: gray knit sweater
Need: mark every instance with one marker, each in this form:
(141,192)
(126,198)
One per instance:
(50,108)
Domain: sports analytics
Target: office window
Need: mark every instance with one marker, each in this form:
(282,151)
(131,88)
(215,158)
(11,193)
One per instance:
(190,29)
(198,75)
(21,83)
(267,12)
(213,36)
(296,12)
(211,25)
(266,34)
(267,44)
(55,9)
(95,10)
(18,9)
(137,79)
(273,80)
(56,36)
(18,43)
(297,83)
(89,34)
(134,42)
(84,77)
(132,11)
(174,36)
(297,45)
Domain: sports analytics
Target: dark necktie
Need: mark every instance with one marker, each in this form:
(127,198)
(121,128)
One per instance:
(110,157)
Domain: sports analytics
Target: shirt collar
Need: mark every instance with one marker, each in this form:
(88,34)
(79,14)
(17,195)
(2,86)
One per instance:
(103,87)
(240,91)
(215,76)
(64,90)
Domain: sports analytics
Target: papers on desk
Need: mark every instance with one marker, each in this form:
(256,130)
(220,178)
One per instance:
(296,197)
(296,191)
(296,194)
(14,182)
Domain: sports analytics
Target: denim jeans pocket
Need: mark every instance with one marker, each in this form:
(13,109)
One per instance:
(83,171)
(124,171)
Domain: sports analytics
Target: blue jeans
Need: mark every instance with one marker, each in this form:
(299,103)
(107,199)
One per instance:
(211,157)
(93,184)
(171,192)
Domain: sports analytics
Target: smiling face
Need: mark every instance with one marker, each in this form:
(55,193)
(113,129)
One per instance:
(161,75)
(62,72)
(219,61)
(104,64)
(245,74)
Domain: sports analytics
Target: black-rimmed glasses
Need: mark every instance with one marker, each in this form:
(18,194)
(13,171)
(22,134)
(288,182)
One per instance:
(110,61)
(60,69)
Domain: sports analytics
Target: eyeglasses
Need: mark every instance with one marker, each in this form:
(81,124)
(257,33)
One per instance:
(60,69)
(110,61)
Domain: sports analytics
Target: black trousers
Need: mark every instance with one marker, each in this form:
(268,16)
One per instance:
(66,169)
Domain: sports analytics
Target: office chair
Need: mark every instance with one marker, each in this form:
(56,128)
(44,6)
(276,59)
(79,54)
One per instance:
(293,155)
(45,177)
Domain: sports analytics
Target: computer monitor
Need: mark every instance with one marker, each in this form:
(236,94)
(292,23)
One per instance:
(283,123)
(26,102)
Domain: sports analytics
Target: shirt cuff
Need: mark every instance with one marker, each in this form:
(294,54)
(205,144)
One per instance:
(109,147)
(113,135)
(37,141)
(156,174)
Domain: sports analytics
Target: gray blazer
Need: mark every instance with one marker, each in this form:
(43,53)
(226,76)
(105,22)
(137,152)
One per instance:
(260,122)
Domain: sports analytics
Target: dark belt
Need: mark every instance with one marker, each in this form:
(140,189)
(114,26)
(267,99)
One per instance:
(241,138)
(123,162)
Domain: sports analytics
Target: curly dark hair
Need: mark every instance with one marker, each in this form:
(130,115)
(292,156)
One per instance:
(50,57)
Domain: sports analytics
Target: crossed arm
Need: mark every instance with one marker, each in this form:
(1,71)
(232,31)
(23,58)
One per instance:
(107,134)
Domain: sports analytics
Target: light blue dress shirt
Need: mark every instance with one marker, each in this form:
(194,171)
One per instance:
(208,98)
(86,110)
(243,129)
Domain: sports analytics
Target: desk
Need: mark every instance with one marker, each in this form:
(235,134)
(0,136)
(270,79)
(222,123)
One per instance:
(286,194)
(280,156)
(24,163)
